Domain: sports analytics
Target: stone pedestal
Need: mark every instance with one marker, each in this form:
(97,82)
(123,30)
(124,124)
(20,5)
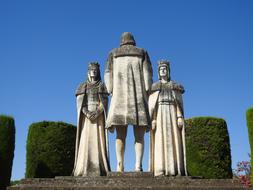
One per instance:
(127,180)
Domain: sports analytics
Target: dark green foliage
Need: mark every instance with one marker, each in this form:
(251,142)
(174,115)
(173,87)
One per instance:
(7,146)
(249,116)
(208,148)
(50,149)
(15,182)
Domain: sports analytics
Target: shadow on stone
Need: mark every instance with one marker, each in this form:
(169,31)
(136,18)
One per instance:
(43,170)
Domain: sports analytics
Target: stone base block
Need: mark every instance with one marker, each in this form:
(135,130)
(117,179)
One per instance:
(127,180)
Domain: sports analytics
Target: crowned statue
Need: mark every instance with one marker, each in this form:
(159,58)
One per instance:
(91,155)
(135,101)
(167,137)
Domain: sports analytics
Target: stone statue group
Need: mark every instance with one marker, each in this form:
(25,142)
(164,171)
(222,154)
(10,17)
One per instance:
(156,108)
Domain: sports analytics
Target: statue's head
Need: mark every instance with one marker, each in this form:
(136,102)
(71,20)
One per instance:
(127,39)
(94,71)
(164,69)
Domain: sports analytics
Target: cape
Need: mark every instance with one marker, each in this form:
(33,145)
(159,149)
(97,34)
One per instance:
(81,97)
(177,91)
(128,78)
(173,85)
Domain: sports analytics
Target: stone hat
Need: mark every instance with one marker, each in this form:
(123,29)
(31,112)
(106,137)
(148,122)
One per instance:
(163,63)
(93,65)
(127,38)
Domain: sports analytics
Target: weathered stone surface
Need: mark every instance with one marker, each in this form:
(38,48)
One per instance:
(91,153)
(128,78)
(131,174)
(127,180)
(167,155)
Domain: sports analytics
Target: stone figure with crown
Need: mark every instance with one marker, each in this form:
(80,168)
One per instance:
(167,137)
(91,155)
(135,101)
(149,107)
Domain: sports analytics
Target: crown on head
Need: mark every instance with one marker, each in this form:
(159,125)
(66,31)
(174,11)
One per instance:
(93,65)
(163,63)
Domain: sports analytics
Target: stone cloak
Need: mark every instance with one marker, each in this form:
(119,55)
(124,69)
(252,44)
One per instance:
(177,91)
(128,77)
(81,120)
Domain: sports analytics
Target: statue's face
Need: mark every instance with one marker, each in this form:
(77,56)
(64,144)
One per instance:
(163,71)
(93,73)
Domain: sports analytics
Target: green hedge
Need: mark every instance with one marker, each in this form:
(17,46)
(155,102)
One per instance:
(208,148)
(7,146)
(249,116)
(50,149)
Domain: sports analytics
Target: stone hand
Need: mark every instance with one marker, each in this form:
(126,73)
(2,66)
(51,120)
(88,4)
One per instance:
(180,122)
(153,124)
(98,113)
(93,115)
(88,114)
(85,111)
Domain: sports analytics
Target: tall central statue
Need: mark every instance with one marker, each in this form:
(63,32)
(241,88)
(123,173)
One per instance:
(128,78)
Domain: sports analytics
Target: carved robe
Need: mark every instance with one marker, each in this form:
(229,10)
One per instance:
(128,77)
(167,141)
(91,154)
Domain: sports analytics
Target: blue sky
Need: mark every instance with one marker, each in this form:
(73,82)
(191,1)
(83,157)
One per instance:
(45,46)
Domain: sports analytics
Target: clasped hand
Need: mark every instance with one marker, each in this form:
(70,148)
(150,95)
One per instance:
(92,115)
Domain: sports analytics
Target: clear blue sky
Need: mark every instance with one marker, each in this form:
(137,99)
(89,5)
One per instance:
(45,46)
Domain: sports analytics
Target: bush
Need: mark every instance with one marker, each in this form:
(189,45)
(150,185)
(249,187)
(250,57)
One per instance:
(249,116)
(15,182)
(7,146)
(208,148)
(50,149)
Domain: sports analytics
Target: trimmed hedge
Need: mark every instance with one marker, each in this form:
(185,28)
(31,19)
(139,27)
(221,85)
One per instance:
(208,148)
(249,116)
(50,149)
(7,146)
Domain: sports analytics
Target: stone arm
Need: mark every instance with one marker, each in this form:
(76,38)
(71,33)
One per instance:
(85,110)
(104,101)
(84,106)
(178,91)
(109,74)
(81,97)
(103,97)
(102,107)
(147,72)
(153,106)
(180,105)
(180,111)
(154,117)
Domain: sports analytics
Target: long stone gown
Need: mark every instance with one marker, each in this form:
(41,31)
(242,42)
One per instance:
(167,141)
(91,147)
